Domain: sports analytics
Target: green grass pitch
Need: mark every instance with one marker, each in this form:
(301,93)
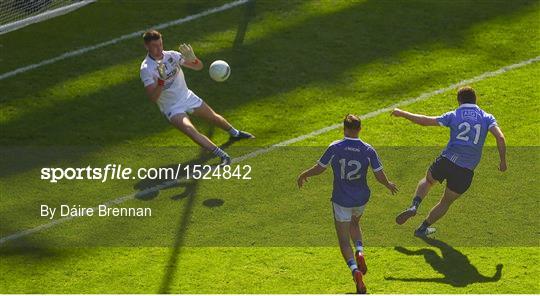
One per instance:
(297,66)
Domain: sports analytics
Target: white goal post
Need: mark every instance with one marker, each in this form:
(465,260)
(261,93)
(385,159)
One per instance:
(15,14)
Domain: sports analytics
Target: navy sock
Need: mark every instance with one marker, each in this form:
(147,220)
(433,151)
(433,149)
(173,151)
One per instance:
(220,153)
(424,226)
(416,202)
(234,132)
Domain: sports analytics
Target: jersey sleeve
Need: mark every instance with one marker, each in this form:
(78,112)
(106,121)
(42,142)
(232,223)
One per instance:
(445,119)
(374,160)
(490,121)
(146,77)
(177,57)
(326,158)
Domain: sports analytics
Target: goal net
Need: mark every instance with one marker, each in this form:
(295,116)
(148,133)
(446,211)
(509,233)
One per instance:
(15,14)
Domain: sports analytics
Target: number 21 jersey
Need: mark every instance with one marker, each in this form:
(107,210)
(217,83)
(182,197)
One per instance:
(469,126)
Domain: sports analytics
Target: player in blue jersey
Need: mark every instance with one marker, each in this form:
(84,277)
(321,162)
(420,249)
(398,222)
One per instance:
(469,126)
(350,159)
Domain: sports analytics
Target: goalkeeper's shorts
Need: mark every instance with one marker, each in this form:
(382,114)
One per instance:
(187,105)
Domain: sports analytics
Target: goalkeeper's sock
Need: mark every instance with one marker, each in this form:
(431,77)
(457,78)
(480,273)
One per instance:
(352,265)
(220,153)
(416,202)
(234,132)
(359,246)
(225,158)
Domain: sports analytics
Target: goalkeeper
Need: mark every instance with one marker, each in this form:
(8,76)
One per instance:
(165,85)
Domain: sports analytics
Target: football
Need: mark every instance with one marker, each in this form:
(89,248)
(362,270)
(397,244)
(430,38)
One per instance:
(220,71)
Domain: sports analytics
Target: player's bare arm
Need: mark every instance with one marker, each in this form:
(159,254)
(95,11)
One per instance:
(313,171)
(501,146)
(416,118)
(153,91)
(190,59)
(381,178)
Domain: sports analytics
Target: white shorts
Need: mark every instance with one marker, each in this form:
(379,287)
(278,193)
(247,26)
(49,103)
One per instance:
(185,106)
(343,214)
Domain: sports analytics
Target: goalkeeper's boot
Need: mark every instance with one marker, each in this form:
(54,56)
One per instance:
(424,232)
(359,281)
(406,215)
(361,262)
(243,135)
(225,160)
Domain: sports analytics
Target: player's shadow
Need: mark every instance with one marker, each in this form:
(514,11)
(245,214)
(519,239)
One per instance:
(456,268)
(149,188)
(189,194)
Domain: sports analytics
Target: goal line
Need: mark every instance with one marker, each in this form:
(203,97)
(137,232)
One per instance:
(17,24)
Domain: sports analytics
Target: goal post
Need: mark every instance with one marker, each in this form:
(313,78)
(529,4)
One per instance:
(15,14)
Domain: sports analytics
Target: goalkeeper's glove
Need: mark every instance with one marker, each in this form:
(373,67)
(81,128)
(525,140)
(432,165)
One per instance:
(187,53)
(162,73)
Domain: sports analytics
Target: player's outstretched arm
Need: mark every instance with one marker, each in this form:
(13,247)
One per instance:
(190,60)
(416,118)
(381,178)
(501,146)
(313,171)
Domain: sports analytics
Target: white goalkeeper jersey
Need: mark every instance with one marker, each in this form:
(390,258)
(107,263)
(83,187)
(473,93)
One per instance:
(175,89)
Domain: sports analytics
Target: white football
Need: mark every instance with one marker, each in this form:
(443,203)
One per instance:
(219,70)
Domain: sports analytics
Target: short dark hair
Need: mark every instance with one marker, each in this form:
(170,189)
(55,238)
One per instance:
(352,122)
(151,35)
(466,95)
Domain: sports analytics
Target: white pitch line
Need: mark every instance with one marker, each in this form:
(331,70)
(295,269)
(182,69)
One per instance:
(405,102)
(43,16)
(121,38)
(255,153)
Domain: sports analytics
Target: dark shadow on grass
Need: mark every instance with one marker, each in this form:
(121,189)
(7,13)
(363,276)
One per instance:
(31,248)
(456,268)
(30,251)
(188,187)
(183,223)
(249,13)
(149,188)
(213,202)
(189,194)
